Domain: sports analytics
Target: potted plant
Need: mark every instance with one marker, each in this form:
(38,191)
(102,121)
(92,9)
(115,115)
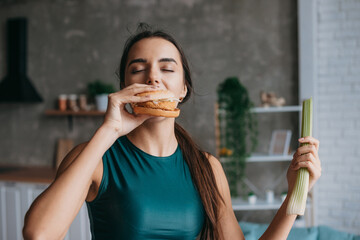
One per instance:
(252,198)
(100,91)
(237,124)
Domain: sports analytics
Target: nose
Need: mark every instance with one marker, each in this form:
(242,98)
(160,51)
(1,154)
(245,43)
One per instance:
(153,78)
(152,81)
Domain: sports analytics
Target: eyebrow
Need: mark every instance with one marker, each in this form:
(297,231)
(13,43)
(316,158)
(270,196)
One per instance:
(142,60)
(137,60)
(167,60)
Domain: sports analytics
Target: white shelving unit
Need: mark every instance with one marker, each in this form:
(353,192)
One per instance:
(273,109)
(265,158)
(276,109)
(269,158)
(239,204)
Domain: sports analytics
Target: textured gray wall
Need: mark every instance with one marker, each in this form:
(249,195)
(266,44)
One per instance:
(73,42)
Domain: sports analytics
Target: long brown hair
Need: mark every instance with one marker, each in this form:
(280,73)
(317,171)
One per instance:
(197,159)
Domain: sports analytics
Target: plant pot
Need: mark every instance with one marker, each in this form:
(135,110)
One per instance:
(269,196)
(252,199)
(101,102)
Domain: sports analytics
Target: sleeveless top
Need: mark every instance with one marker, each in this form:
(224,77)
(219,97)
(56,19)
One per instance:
(142,196)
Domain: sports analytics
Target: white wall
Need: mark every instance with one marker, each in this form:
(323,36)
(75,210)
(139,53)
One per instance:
(337,85)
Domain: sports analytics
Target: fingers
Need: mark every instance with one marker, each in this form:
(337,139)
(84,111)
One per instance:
(127,95)
(310,140)
(314,171)
(138,88)
(307,157)
(134,99)
(136,119)
(306,149)
(140,118)
(311,149)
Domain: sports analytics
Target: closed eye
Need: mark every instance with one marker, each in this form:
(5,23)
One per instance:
(137,71)
(167,70)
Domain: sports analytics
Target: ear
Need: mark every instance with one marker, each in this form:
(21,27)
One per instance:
(183,92)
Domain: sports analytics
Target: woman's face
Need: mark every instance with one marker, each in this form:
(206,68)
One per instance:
(156,61)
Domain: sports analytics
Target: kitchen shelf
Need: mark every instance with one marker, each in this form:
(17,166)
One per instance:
(33,174)
(277,109)
(70,114)
(264,158)
(295,108)
(269,158)
(238,204)
(54,112)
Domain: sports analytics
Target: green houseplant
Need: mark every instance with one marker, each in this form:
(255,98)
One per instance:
(99,91)
(237,125)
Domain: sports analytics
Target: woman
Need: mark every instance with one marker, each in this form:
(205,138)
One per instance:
(143,177)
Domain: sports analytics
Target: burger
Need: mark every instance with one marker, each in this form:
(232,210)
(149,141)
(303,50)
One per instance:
(164,104)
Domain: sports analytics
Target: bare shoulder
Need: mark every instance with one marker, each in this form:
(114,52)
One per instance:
(70,157)
(219,174)
(221,182)
(228,223)
(215,163)
(216,166)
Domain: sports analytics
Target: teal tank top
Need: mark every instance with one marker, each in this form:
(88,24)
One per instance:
(142,196)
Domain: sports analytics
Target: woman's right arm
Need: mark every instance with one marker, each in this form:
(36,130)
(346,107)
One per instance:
(53,211)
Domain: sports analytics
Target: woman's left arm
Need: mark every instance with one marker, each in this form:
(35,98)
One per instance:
(305,157)
(279,228)
(230,228)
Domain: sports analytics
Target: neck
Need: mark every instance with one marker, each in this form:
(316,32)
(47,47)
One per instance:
(156,138)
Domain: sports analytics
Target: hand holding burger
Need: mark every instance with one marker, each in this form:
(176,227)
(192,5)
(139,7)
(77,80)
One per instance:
(117,117)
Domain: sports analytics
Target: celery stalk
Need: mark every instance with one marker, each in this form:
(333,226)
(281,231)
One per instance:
(297,202)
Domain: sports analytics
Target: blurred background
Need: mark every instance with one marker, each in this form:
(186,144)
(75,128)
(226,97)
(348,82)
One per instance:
(294,49)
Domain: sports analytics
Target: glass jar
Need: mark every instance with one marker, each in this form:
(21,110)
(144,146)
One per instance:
(72,102)
(62,102)
(83,102)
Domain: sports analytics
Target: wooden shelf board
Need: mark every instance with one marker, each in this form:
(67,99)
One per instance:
(53,112)
(27,174)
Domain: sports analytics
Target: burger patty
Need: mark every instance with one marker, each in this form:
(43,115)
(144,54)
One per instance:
(158,105)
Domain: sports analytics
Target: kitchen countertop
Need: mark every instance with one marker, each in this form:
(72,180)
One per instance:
(30,174)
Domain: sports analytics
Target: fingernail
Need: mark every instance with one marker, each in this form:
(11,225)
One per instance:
(301,139)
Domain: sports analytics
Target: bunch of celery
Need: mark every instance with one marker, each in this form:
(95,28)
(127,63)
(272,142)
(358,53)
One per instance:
(298,197)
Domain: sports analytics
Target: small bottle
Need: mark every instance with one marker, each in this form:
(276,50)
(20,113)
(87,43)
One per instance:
(269,196)
(72,103)
(83,102)
(62,102)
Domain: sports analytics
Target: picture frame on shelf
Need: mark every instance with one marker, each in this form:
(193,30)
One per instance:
(280,142)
